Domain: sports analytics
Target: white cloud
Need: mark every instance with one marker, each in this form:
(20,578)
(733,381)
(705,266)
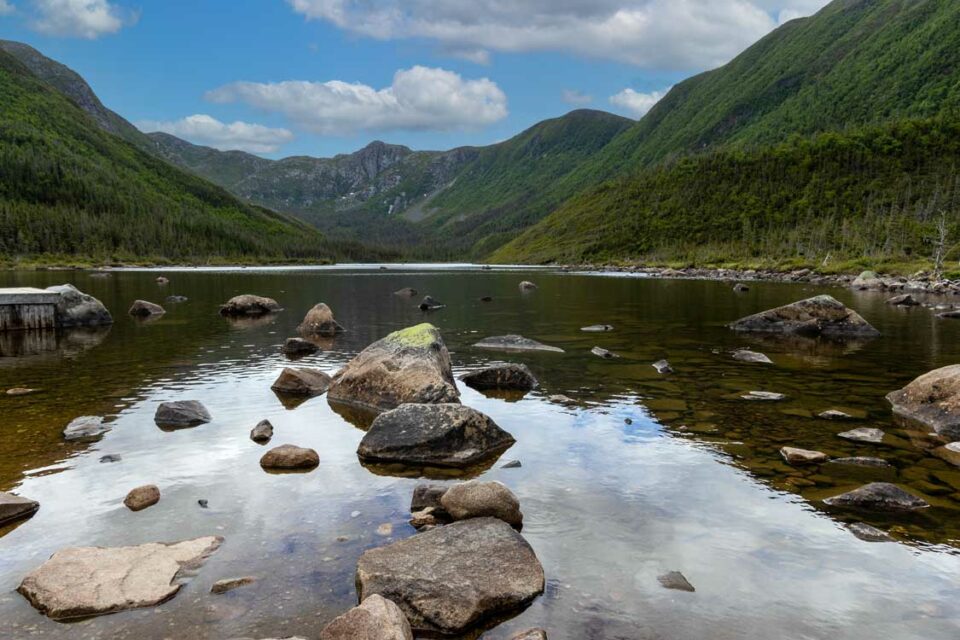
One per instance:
(6,8)
(419,98)
(635,103)
(575,97)
(79,18)
(206,130)
(672,34)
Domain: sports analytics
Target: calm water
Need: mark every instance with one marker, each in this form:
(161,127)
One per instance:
(694,484)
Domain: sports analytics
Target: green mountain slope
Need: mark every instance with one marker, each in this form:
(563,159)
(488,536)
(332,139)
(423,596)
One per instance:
(861,197)
(67,187)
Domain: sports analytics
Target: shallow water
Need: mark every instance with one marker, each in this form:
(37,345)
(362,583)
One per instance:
(695,482)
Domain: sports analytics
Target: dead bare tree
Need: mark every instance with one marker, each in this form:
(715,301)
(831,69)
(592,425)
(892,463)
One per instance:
(940,245)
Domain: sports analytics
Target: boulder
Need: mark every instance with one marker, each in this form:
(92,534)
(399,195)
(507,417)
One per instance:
(229,584)
(600,352)
(906,300)
(865,435)
(802,456)
(142,497)
(85,428)
(878,496)
(319,322)
(181,414)
(302,382)
(932,400)
(144,309)
(298,347)
(822,315)
(530,634)
(288,456)
(745,355)
(514,343)
(90,581)
(450,579)
(375,619)
(408,366)
(436,435)
(663,367)
(507,377)
(429,304)
(526,285)
(676,581)
(77,309)
(262,433)
(248,305)
(597,328)
(14,508)
(477,499)
(867,280)
(406,292)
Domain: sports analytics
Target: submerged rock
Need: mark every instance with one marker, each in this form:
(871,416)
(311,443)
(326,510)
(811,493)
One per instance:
(142,497)
(90,581)
(932,400)
(77,309)
(803,456)
(600,352)
(298,347)
(676,581)
(14,508)
(249,305)
(663,367)
(598,328)
(440,435)
(288,456)
(906,300)
(229,584)
(319,322)
(429,304)
(85,428)
(822,315)
(477,499)
(408,366)
(764,396)
(741,288)
(508,377)
(745,355)
(176,299)
(262,433)
(869,533)
(514,343)
(862,461)
(450,579)
(406,292)
(302,382)
(833,414)
(375,619)
(143,309)
(526,285)
(184,413)
(866,435)
(878,496)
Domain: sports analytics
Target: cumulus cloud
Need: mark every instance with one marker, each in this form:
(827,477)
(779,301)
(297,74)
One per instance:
(576,98)
(206,130)
(670,34)
(6,8)
(635,103)
(79,18)
(419,98)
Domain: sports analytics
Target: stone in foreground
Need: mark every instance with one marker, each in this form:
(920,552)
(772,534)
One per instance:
(290,457)
(90,581)
(932,400)
(142,497)
(477,499)
(819,316)
(505,377)
(375,619)
(435,435)
(452,578)
(865,435)
(181,414)
(302,382)
(515,343)
(248,305)
(676,581)
(84,428)
(16,508)
(262,433)
(802,456)
(878,496)
(408,366)
(144,309)
(319,322)
(77,309)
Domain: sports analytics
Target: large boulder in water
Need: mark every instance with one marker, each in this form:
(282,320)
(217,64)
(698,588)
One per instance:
(408,366)
(77,309)
(181,414)
(433,435)
(90,581)
(375,619)
(821,315)
(249,305)
(878,496)
(298,381)
(505,377)
(932,400)
(319,322)
(452,578)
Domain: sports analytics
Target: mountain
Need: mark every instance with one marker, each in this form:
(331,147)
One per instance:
(70,188)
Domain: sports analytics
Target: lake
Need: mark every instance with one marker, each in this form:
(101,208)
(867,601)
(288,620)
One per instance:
(644,474)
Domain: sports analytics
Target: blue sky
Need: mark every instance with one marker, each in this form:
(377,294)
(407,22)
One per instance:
(320,77)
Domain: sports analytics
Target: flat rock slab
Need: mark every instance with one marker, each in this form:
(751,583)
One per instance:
(229,584)
(14,508)
(438,435)
(796,456)
(865,435)
(181,414)
(530,634)
(90,581)
(932,400)
(375,619)
(878,496)
(450,579)
(598,328)
(834,414)
(862,461)
(85,428)
(763,396)
(298,381)
(515,343)
(745,355)
(506,377)
(822,315)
